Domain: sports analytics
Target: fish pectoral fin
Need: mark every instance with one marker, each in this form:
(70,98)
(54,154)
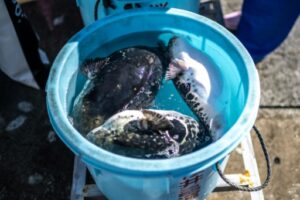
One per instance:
(176,66)
(156,121)
(145,127)
(131,139)
(151,143)
(136,126)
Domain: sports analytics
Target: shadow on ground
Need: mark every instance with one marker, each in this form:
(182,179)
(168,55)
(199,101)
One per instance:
(35,164)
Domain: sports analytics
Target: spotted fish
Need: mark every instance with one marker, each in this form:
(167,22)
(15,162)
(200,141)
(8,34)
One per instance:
(198,82)
(152,133)
(127,79)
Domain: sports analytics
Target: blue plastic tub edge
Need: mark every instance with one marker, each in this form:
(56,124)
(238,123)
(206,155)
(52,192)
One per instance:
(201,159)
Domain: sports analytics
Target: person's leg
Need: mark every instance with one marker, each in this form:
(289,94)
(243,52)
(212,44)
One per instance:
(265,24)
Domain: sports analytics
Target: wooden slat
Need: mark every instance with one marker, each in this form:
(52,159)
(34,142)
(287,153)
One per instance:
(92,190)
(222,186)
(79,178)
(251,165)
(80,190)
(24,1)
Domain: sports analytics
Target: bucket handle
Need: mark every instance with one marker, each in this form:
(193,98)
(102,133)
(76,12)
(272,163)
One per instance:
(267,180)
(106,5)
(96,9)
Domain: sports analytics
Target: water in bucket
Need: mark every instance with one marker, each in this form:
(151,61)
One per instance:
(168,99)
(187,176)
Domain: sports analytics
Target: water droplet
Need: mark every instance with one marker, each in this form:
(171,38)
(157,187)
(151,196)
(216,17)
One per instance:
(51,136)
(25,106)
(58,20)
(35,179)
(16,123)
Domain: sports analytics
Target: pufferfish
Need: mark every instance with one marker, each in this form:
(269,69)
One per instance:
(127,79)
(199,83)
(148,134)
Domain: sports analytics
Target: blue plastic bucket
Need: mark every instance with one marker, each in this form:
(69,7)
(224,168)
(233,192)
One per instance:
(88,7)
(193,174)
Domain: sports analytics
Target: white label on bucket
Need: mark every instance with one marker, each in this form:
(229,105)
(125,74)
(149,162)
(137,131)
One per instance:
(189,187)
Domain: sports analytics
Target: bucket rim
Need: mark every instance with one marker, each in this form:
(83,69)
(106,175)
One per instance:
(102,159)
(134,1)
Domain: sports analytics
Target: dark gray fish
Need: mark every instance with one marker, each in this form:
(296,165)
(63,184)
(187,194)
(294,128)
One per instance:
(127,79)
(149,134)
(198,83)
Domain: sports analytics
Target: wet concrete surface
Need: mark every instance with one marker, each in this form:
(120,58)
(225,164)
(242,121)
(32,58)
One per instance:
(32,167)
(35,164)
